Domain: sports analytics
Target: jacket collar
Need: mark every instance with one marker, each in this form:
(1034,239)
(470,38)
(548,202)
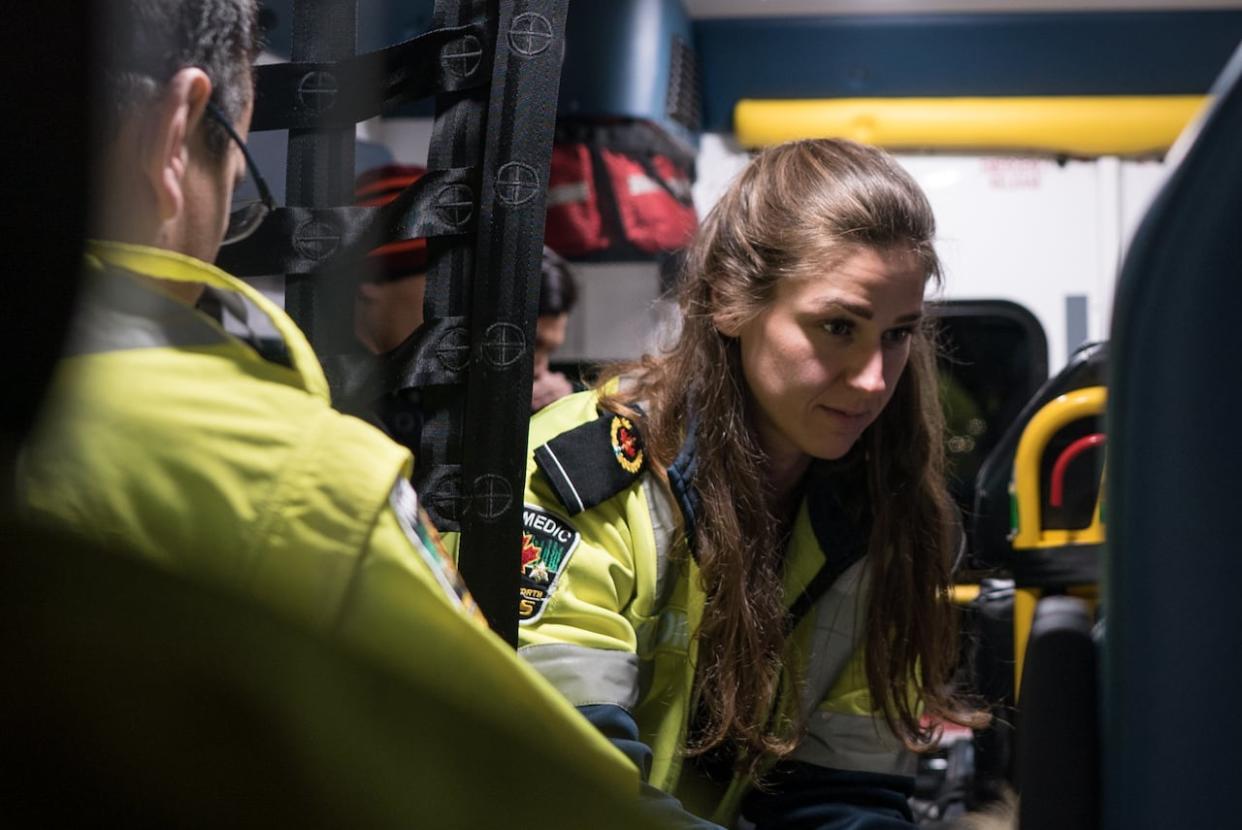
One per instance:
(840,535)
(161,264)
(681,481)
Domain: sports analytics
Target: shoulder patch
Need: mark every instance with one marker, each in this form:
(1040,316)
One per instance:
(593,462)
(424,538)
(547,543)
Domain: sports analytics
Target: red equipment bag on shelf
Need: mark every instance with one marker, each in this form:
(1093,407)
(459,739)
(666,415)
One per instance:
(618,190)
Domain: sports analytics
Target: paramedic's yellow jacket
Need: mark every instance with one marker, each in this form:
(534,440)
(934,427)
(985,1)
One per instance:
(170,438)
(611,600)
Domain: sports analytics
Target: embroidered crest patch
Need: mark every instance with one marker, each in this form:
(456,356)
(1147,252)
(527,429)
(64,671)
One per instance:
(592,462)
(627,445)
(425,539)
(547,543)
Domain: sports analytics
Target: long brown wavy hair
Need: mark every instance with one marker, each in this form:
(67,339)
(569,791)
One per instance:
(798,207)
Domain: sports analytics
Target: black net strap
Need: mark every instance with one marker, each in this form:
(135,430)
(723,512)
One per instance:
(494,66)
(299,240)
(341,93)
(509,251)
(320,171)
(472,448)
(444,353)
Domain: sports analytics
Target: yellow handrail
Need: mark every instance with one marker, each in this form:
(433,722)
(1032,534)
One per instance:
(1024,489)
(1057,413)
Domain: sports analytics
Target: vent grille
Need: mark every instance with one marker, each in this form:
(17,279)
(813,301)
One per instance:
(683,104)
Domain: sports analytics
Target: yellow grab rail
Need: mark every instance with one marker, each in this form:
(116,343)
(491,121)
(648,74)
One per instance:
(1025,491)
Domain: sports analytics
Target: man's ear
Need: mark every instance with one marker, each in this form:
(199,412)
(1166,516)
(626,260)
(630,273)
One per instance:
(173,122)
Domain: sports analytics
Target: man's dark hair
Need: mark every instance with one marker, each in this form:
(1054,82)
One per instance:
(143,43)
(558,291)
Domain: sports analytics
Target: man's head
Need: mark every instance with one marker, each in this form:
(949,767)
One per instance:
(389,303)
(557,294)
(166,169)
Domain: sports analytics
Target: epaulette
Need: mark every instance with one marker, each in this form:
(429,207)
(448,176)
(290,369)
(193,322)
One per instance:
(591,463)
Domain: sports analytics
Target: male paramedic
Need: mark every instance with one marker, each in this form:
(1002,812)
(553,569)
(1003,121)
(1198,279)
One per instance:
(171,439)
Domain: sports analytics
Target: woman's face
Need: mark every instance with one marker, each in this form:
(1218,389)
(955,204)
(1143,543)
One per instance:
(823,359)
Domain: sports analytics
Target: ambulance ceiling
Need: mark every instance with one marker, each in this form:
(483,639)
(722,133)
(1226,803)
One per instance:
(700,9)
(1018,48)
(816,49)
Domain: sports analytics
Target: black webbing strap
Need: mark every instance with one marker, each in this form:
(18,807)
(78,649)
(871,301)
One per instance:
(298,240)
(440,355)
(471,361)
(444,349)
(320,171)
(327,94)
(509,251)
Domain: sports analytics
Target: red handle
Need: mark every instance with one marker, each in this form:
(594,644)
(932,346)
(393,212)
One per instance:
(1063,461)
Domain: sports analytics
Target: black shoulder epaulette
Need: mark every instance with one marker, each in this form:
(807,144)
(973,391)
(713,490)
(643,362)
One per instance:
(593,462)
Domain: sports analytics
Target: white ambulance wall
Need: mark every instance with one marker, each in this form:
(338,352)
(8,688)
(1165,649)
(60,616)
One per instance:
(1027,230)
(618,315)
(1138,186)
(407,138)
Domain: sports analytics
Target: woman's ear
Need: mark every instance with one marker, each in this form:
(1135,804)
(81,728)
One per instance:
(724,321)
(173,121)
(727,323)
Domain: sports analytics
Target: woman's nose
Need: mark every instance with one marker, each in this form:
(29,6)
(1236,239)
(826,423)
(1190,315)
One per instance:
(869,376)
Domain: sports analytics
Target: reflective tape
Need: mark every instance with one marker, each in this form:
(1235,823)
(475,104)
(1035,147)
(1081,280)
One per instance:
(837,623)
(587,676)
(640,184)
(669,631)
(117,314)
(664,526)
(669,628)
(563,194)
(861,743)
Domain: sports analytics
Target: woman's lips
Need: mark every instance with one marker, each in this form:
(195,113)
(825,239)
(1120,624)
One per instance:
(852,417)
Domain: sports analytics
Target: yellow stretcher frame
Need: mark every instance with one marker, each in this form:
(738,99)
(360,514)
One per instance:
(1025,490)
(1063,125)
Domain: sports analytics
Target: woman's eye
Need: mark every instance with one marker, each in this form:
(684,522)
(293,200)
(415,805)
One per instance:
(839,328)
(897,336)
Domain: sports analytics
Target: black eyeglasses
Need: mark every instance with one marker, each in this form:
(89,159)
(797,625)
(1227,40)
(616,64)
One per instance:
(247,212)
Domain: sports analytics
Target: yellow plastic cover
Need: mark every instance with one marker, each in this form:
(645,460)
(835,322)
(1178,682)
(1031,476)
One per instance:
(1078,125)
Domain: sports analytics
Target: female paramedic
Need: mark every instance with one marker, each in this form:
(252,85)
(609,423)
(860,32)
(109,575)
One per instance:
(736,554)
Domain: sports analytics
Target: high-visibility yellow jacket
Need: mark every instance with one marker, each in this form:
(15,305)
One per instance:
(611,600)
(172,439)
